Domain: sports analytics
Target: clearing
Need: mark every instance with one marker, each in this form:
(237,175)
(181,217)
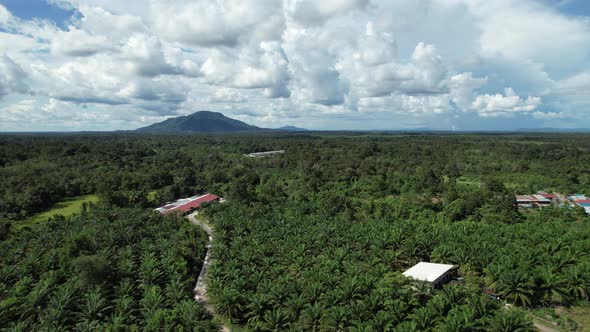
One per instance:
(66,208)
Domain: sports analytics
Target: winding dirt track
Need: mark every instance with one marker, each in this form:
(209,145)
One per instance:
(200,289)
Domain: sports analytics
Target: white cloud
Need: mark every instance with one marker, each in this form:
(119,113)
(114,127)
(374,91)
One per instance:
(128,63)
(77,42)
(20,110)
(527,30)
(225,95)
(548,115)
(316,12)
(12,77)
(5,15)
(462,88)
(262,67)
(217,23)
(504,105)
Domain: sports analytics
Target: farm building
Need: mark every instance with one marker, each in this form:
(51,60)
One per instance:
(265,153)
(577,197)
(187,205)
(536,200)
(434,273)
(580,200)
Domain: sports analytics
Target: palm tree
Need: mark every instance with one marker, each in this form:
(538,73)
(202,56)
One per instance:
(481,305)
(510,321)
(459,320)
(227,302)
(552,287)
(95,306)
(60,305)
(278,319)
(311,317)
(516,287)
(259,304)
(336,319)
(577,282)
(151,302)
(425,318)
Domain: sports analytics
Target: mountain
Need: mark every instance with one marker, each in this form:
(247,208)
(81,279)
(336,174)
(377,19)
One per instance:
(292,128)
(200,122)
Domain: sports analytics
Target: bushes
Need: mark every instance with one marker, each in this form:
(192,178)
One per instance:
(91,269)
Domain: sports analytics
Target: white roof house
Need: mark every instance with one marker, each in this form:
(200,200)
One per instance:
(430,272)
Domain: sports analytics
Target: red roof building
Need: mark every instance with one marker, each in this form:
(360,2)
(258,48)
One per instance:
(188,204)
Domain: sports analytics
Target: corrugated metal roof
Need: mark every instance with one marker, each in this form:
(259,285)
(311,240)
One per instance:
(540,198)
(428,271)
(187,204)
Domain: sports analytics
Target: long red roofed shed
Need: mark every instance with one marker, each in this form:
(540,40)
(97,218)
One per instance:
(192,205)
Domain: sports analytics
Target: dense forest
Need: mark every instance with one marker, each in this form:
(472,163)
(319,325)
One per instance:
(312,240)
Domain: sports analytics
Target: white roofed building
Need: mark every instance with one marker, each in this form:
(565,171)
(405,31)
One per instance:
(434,273)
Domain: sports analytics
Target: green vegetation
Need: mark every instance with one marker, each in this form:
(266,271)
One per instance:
(65,208)
(315,239)
(109,269)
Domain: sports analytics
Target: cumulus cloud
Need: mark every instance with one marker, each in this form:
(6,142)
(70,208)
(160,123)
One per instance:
(504,105)
(77,42)
(225,95)
(17,111)
(316,12)
(462,87)
(12,77)
(300,59)
(217,23)
(5,15)
(262,67)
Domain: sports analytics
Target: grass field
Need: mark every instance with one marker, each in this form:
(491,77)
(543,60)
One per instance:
(66,208)
(581,314)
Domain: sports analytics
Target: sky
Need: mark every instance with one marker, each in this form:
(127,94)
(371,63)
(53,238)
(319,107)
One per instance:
(72,65)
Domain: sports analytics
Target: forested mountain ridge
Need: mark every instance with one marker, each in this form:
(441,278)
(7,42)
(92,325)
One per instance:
(200,122)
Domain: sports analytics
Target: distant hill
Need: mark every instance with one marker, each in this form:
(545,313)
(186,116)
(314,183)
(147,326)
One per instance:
(200,122)
(554,130)
(292,128)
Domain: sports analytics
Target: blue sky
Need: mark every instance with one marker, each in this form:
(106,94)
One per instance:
(40,9)
(334,64)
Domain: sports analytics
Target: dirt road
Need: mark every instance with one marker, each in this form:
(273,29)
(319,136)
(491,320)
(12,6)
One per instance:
(200,289)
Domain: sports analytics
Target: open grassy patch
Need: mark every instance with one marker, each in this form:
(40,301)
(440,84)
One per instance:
(580,314)
(66,208)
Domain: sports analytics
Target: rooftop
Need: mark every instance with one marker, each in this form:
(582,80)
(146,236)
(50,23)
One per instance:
(428,271)
(186,204)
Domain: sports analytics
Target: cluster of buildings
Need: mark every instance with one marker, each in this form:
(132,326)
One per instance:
(187,205)
(539,200)
(580,200)
(265,153)
(543,199)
